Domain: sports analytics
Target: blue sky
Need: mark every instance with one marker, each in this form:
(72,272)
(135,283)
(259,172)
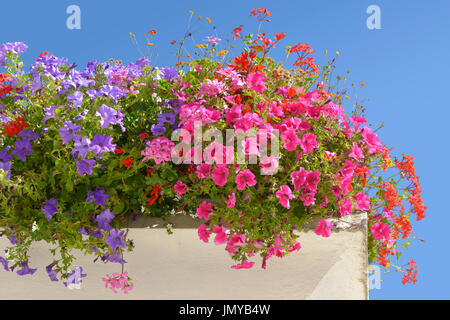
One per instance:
(405,66)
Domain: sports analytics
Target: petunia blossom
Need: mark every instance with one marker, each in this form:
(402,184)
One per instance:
(346,207)
(220,174)
(180,188)
(50,208)
(231,202)
(205,210)
(323,228)
(308,142)
(245,178)
(356,152)
(221,235)
(203,233)
(243,265)
(284,194)
(290,139)
(380,230)
(256,81)
(362,201)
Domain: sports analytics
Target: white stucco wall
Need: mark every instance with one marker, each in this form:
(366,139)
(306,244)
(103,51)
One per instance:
(180,266)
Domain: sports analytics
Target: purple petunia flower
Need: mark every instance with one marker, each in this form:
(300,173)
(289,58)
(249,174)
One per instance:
(51,273)
(97,234)
(81,231)
(5,162)
(25,269)
(167,117)
(81,148)
(107,115)
(169,73)
(115,240)
(100,197)
(92,93)
(36,84)
(13,239)
(76,98)
(4,263)
(114,92)
(101,144)
(91,67)
(14,47)
(85,166)
(104,218)
(68,132)
(50,208)
(49,113)
(116,258)
(158,129)
(23,148)
(81,115)
(28,135)
(75,277)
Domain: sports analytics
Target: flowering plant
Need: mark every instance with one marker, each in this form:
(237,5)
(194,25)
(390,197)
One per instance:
(83,152)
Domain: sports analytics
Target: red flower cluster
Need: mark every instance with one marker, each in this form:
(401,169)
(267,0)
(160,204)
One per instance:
(5,88)
(154,195)
(14,127)
(242,62)
(236,31)
(128,162)
(303,51)
(261,14)
(411,273)
(407,166)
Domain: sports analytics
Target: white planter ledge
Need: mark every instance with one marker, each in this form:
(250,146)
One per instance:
(180,266)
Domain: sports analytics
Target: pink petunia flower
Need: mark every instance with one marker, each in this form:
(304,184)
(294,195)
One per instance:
(312,180)
(245,178)
(180,188)
(203,171)
(380,230)
(362,201)
(345,185)
(356,152)
(308,197)
(269,165)
(290,139)
(235,241)
(357,121)
(284,194)
(255,81)
(243,265)
(298,178)
(371,139)
(349,169)
(233,114)
(323,228)
(346,207)
(221,235)
(203,233)
(308,142)
(204,210)
(231,202)
(220,174)
(295,247)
